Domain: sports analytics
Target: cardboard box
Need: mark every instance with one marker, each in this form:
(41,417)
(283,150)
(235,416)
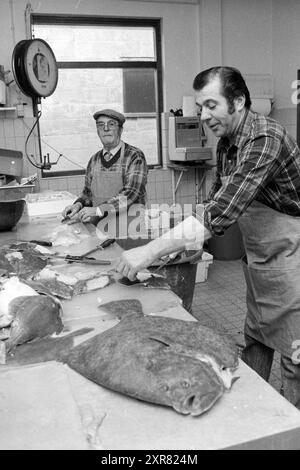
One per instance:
(202,267)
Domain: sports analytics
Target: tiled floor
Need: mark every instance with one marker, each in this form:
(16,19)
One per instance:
(219,302)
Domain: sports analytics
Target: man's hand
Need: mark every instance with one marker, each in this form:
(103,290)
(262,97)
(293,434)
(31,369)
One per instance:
(132,261)
(85,214)
(71,211)
(189,234)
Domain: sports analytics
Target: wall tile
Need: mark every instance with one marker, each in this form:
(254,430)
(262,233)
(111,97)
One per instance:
(19,130)
(1,129)
(8,128)
(10,143)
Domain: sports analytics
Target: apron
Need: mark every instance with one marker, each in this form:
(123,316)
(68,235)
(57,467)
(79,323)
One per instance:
(105,185)
(272,273)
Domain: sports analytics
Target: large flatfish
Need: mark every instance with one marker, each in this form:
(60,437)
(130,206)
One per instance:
(161,360)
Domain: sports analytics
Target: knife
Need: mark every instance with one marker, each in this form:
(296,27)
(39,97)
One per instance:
(41,242)
(36,242)
(100,246)
(73,259)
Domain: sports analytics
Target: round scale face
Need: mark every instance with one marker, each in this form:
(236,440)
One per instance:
(35,67)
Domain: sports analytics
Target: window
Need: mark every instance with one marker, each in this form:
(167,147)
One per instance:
(102,63)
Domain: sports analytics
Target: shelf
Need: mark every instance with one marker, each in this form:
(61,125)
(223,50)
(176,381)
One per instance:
(3,108)
(200,174)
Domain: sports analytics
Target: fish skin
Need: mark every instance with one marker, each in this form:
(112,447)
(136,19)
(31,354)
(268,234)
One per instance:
(189,334)
(34,317)
(120,309)
(130,358)
(51,287)
(193,390)
(45,349)
(27,266)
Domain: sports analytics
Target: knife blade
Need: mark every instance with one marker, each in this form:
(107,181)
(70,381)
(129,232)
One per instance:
(36,242)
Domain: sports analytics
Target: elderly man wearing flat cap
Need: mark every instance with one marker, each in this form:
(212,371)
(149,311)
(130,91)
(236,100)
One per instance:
(116,176)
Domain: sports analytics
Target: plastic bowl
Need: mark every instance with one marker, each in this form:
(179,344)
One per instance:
(11,212)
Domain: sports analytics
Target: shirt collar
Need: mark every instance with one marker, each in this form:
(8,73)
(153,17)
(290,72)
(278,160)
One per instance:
(113,151)
(243,129)
(241,133)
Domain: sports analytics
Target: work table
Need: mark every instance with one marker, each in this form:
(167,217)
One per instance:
(62,403)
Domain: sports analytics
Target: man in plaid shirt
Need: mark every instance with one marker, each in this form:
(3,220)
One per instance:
(116,176)
(257,184)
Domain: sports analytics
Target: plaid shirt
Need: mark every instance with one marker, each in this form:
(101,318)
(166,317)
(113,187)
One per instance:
(134,176)
(263,164)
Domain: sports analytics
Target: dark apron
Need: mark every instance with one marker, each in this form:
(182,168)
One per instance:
(272,273)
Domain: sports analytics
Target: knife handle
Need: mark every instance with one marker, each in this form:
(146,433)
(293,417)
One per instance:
(107,242)
(41,242)
(76,258)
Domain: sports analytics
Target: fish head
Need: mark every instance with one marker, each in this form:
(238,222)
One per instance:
(223,369)
(191,387)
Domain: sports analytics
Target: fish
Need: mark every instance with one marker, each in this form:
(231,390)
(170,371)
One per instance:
(24,262)
(165,361)
(148,280)
(52,287)
(66,285)
(10,288)
(33,317)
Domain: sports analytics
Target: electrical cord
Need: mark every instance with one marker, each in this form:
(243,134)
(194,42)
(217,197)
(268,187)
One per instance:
(34,163)
(47,164)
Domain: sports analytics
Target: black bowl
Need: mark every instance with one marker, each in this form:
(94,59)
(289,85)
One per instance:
(11,212)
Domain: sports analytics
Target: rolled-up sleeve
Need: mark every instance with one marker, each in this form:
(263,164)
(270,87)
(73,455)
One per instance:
(85,197)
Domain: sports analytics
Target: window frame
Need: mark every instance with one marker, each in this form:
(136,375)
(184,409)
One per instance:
(91,20)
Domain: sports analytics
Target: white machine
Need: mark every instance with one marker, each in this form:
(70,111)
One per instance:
(187,140)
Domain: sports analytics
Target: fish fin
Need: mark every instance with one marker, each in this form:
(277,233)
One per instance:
(45,349)
(234,379)
(9,346)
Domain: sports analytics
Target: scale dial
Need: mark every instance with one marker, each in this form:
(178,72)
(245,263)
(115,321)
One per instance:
(35,68)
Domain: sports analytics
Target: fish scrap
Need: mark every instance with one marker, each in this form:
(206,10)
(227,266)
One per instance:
(21,262)
(33,317)
(25,315)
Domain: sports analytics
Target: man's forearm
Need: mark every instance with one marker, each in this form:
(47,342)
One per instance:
(189,234)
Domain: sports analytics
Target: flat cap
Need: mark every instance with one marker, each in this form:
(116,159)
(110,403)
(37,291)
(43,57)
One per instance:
(112,114)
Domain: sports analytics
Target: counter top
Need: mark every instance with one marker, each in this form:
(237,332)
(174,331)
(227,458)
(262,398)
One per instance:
(251,416)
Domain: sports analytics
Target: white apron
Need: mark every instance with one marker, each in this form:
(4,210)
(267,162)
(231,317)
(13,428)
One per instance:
(105,185)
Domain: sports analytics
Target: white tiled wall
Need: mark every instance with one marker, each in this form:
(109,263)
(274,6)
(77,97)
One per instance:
(159,187)
(13,133)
